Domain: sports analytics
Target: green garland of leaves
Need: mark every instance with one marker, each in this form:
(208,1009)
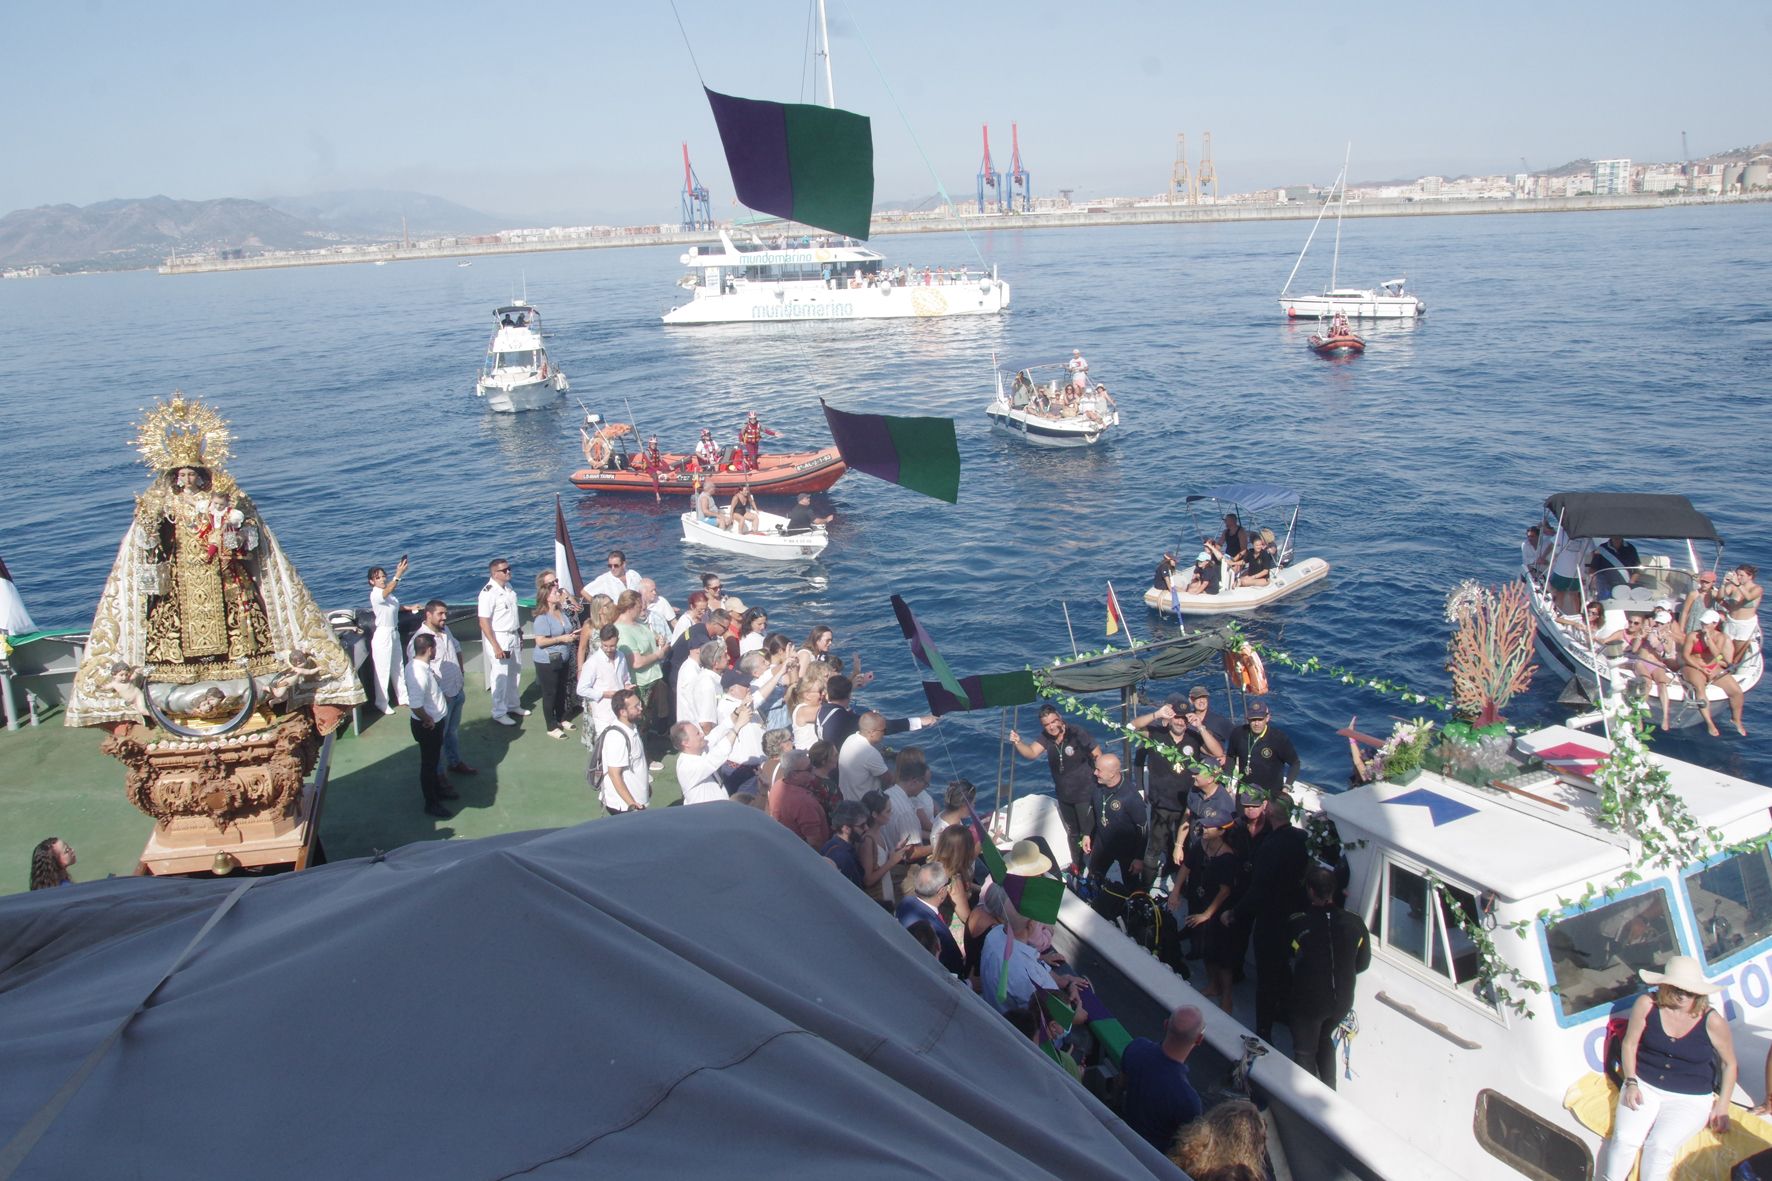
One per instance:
(1380,685)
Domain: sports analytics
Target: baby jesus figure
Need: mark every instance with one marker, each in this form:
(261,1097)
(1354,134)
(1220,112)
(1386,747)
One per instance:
(299,666)
(125,682)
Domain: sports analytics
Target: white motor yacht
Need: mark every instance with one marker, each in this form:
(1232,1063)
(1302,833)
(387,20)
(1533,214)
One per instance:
(518,374)
(824,278)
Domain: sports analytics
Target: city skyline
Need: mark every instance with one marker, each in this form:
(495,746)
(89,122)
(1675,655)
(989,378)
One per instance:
(208,101)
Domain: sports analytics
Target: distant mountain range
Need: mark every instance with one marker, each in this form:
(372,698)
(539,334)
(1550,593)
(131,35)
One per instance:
(139,232)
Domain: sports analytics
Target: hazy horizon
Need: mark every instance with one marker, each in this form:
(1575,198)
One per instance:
(205,100)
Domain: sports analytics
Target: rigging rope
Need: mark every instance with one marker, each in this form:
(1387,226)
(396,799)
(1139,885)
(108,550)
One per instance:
(939,187)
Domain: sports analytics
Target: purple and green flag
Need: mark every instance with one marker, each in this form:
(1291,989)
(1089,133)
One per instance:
(810,164)
(949,694)
(916,453)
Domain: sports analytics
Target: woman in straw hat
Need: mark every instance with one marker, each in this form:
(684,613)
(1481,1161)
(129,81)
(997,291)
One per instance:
(1672,1082)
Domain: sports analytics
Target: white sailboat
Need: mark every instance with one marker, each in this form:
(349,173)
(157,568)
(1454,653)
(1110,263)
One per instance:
(1387,301)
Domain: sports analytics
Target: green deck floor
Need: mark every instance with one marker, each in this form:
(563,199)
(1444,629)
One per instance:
(54,782)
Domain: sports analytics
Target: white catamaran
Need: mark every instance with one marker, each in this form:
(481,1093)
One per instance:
(1387,301)
(826,277)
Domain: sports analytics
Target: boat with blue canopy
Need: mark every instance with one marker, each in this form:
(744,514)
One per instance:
(1241,568)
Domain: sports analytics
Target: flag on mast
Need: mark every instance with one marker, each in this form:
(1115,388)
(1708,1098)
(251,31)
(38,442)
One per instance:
(565,561)
(810,164)
(1175,602)
(950,694)
(1116,619)
(916,453)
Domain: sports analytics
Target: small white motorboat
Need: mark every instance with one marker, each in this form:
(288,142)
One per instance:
(1627,582)
(1044,405)
(772,541)
(517,374)
(1284,576)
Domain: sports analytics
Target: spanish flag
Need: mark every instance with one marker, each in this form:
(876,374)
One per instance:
(1116,618)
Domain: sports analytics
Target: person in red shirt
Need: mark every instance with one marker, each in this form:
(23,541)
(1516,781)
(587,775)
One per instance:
(793,802)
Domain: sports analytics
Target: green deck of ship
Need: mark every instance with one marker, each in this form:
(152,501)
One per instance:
(54,782)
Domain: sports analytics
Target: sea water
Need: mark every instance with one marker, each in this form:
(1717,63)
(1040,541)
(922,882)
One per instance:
(1622,351)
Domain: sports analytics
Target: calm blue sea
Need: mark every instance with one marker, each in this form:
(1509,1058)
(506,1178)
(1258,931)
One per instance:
(1623,351)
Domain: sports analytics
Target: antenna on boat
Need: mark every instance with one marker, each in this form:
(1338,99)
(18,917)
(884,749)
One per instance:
(824,51)
(1335,267)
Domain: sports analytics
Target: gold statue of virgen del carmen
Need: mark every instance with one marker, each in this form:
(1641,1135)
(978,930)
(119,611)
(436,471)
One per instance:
(203,613)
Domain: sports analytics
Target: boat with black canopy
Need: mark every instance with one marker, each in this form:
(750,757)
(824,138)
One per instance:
(1593,559)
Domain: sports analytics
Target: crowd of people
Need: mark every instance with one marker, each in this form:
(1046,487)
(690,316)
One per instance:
(1636,619)
(1237,557)
(754,717)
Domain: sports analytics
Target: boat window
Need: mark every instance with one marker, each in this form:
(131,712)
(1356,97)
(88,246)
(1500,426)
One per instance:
(1595,954)
(524,359)
(1530,1144)
(1731,903)
(1412,919)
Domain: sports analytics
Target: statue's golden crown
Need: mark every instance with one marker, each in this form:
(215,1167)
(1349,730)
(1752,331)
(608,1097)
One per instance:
(182,432)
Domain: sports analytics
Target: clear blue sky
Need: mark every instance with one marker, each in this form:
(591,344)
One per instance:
(574,111)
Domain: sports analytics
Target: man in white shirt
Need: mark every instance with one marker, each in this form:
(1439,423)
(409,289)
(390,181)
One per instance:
(384,642)
(860,766)
(700,756)
(430,713)
(605,673)
(698,685)
(735,694)
(913,808)
(1025,972)
(623,782)
(501,629)
(1533,550)
(657,612)
(446,663)
(616,579)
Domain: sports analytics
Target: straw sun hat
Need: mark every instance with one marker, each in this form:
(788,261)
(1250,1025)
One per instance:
(1026,860)
(1682,973)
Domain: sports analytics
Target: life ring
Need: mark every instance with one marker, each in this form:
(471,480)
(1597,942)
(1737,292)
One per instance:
(597,451)
(1247,673)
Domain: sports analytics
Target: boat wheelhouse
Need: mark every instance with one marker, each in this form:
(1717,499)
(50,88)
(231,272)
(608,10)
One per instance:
(1625,581)
(823,278)
(517,374)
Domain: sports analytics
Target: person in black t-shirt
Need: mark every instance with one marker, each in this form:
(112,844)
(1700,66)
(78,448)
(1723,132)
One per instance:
(1258,563)
(1166,782)
(801,518)
(1330,946)
(1070,755)
(1235,539)
(1261,753)
(1208,571)
(1201,717)
(1118,837)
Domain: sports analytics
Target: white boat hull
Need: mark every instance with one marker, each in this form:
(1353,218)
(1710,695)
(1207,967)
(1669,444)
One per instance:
(1243,598)
(508,397)
(771,543)
(759,303)
(1365,305)
(1040,430)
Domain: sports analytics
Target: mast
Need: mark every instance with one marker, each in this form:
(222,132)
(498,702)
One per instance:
(824,51)
(1335,267)
(1308,239)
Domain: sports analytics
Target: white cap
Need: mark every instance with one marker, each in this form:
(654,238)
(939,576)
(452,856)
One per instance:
(1710,617)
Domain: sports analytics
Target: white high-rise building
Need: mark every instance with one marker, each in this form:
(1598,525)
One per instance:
(1611,176)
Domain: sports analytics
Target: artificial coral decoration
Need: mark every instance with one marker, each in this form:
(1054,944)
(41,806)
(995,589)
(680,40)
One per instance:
(1490,653)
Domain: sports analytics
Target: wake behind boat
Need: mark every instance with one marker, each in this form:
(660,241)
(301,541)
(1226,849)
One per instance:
(517,374)
(1054,405)
(824,279)
(1387,301)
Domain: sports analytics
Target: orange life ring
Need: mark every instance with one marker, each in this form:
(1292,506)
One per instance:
(597,452)
(1246,671)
